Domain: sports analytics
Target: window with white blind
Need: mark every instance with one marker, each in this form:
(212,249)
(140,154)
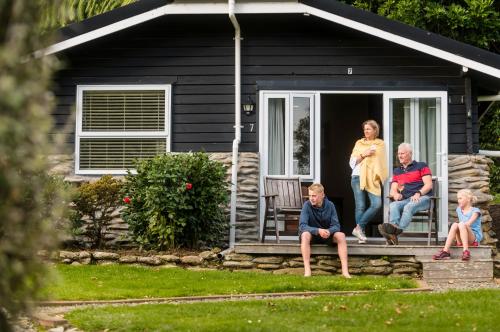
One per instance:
(119,124)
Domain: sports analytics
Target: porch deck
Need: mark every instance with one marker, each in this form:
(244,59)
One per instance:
(417,250)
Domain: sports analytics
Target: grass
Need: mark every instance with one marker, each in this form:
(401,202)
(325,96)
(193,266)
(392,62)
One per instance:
(98,282)
(379,311)
(496,199)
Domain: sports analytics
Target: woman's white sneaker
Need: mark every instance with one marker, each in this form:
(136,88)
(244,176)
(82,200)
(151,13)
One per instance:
(360,235)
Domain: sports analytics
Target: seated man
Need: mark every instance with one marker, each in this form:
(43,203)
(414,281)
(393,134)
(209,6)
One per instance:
(410,189)
(319,224)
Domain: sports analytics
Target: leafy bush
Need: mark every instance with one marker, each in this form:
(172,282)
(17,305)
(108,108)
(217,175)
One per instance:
(176,200)
(97,201)
(26,216)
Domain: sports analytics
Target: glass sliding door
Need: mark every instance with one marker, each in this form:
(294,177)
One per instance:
(419,118)
(287,143)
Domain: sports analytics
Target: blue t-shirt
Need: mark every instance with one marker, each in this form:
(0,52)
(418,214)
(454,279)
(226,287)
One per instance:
(476,225)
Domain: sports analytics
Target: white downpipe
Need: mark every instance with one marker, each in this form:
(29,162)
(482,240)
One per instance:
(237,121)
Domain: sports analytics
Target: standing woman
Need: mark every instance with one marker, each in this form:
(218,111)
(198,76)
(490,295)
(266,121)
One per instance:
(369,171)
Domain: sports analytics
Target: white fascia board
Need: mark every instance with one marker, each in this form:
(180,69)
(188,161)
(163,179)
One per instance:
(495,72)
(172,9)
(95,34)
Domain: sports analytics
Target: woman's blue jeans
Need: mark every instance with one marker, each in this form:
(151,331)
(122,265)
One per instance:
(362,214)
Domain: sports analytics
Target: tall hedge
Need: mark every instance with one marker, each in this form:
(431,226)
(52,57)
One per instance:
(29,200)
(177,200)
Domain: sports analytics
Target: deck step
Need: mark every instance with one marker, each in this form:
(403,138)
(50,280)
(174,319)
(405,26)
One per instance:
(426,252)
(456,270)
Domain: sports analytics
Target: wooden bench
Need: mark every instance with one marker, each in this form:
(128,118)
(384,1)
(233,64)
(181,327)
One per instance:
(283,195)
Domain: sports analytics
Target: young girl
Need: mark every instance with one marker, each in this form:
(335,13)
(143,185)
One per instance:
(467,230)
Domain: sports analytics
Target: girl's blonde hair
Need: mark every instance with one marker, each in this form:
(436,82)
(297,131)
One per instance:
(468,193)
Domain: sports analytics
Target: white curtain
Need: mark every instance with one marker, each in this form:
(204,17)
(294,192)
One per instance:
(276,109)
(428,131)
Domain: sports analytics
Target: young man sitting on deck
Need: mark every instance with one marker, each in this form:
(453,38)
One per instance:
(319,224)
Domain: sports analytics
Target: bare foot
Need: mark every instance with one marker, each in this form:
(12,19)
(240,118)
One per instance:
(307,273)
(346,275)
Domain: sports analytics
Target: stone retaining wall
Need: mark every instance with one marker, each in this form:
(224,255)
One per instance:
(471,172)
(276,264)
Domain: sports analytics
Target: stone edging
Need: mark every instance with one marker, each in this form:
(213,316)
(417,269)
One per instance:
(275,264)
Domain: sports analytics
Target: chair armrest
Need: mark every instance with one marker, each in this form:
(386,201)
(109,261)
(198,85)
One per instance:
(270,195)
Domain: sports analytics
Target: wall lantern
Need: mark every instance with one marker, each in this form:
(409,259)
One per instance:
(248,106)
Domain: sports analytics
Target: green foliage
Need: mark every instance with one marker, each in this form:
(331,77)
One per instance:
(302,143)
(97,201)
(29,201)
(56,15)
(489,139)
(165,211)
(475,22)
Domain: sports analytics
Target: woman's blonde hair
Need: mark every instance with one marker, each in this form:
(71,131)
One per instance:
(373,124)
(467,193)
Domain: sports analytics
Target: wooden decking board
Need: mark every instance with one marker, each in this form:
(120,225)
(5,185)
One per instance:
(420,251)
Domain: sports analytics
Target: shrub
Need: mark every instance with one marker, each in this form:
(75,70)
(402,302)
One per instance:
(176,200)
(26,222)
(97,201)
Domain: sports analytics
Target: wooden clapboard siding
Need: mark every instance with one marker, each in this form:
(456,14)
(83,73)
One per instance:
(196,55)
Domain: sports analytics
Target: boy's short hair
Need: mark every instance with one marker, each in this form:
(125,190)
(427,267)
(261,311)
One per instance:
(317,188)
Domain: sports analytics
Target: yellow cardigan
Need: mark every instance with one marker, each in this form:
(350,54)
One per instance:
(373,169)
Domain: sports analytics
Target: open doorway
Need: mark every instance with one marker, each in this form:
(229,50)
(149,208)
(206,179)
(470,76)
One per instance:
(341,119)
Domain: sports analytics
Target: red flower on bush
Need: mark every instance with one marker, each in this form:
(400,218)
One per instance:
(189,186)
(127,200)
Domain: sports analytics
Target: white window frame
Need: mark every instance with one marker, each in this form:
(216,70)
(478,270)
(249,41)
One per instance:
(314,135)
(79,133)
(386,95)
(442,161)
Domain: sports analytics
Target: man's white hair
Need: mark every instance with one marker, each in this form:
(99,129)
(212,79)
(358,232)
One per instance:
(406,147)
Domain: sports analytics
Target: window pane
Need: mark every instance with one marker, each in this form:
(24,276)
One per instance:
(401,130)
(429,132)
(276,125)
(301,136)
(122,111)
(117,153)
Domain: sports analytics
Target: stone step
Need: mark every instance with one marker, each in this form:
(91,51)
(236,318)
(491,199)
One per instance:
(456,270)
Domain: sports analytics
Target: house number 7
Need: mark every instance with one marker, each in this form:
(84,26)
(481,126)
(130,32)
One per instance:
(251,127)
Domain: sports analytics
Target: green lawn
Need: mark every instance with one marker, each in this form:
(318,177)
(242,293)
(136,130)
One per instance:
(97,282)
(379,311)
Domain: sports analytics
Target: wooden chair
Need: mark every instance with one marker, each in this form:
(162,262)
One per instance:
(282,196)
(430,216)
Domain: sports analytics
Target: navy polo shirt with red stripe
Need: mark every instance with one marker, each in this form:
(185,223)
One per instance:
(409,179)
